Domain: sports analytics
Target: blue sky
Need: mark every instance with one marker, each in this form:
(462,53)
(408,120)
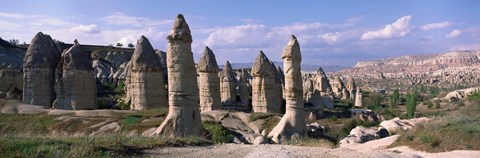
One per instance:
(329,32)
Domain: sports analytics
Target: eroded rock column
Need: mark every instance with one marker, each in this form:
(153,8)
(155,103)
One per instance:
(145,83)
(183,117)
(208,82)
(228,85)
(263,83)
(39,65)
(358,98)
(292,125)
(76,87)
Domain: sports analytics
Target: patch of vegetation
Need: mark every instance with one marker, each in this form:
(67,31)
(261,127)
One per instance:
(458,130)
(270,123)
(374,101)
(411,104)
(314,142)
(108,146)
(25,124)
(217,132)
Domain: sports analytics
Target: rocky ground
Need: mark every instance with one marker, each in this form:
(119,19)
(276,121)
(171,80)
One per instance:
(376,148)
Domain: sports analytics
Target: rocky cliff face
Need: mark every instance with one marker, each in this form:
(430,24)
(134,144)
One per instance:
(451,67)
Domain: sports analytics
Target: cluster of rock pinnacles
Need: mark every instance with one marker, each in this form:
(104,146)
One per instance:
(65,80)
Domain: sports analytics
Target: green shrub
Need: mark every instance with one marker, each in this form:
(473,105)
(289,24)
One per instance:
(217,132)
(411,104)
(429,105)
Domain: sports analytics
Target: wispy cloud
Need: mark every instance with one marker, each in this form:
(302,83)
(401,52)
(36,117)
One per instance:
(438,25)
(399,28)
(454,33)
(123,19)
(92,28)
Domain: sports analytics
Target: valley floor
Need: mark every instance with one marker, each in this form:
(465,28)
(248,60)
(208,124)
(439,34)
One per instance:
(374,148)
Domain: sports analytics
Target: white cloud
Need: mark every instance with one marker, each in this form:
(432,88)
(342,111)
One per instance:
(252,36)
(337,37)
(454,33)
(92,28)
(438,25)
(399,28)
(122,19)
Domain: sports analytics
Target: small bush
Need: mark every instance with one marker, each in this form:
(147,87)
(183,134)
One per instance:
(429,105)
(217,132)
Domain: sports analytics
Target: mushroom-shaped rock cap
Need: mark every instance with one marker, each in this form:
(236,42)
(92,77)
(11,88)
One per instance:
(42,53)
(320,72)
(227,72)
(292,50)
(76,59)
(207,62)
(180,30)
(144,57)
(262,65)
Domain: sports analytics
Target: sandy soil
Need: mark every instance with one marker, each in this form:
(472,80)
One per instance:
(376,148)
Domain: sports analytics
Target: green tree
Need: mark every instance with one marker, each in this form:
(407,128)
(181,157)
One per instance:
(130,45)
(411,104)
(376,100)
(394,98)
(119,44)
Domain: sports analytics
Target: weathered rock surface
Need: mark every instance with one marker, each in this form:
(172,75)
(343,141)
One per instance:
(395,125)
(39,71)
(228,85)
(461,93)
(292,124)
(263,85)
(183,117)
(208,82)
(351,87)
(75,84)
(11,61)
(338,88)
(361,134)
(359,97)
(144,83)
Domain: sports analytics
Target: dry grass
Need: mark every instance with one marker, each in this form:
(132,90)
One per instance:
(458,130)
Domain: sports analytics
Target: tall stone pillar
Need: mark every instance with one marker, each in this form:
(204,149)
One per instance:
(39,65)
(208,82)
(263,85)
(183,117)
(292,125)
(228,85)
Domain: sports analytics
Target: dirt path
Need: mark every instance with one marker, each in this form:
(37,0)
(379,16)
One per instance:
(375,148)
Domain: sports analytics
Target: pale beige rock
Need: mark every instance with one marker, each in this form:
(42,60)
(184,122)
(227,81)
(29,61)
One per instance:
(183,117)
(359,97)
(351,87)
(337,87)
(145,85)
(208,82)
(263,85)
(396,125)
(244,91)
(39,71)
(278,85)
(228,85)
(75,84)
(292,125)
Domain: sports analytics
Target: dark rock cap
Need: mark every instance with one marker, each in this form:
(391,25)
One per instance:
(292,50)
(262,66)
(227,72)
(76,59)
(320,72)
(42,53)
(144,57)
(180,30)
(207,62)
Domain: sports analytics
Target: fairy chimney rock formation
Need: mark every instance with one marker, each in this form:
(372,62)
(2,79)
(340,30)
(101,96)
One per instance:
(358,98)
(337,87)
(243,91)
(75,84)
(263,85)
(292,125)
(322,82)
(183,117)
(208,82)
(351,86)
(145,85)
(39,65)
(228,84)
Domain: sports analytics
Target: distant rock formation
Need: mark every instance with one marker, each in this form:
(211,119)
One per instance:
(39,66)
(209,82)
(228,85)
(359,97)
(183,117)
(338,88)
(75,84)
(351,87)
(263,86)
(11,61)
(144,83)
